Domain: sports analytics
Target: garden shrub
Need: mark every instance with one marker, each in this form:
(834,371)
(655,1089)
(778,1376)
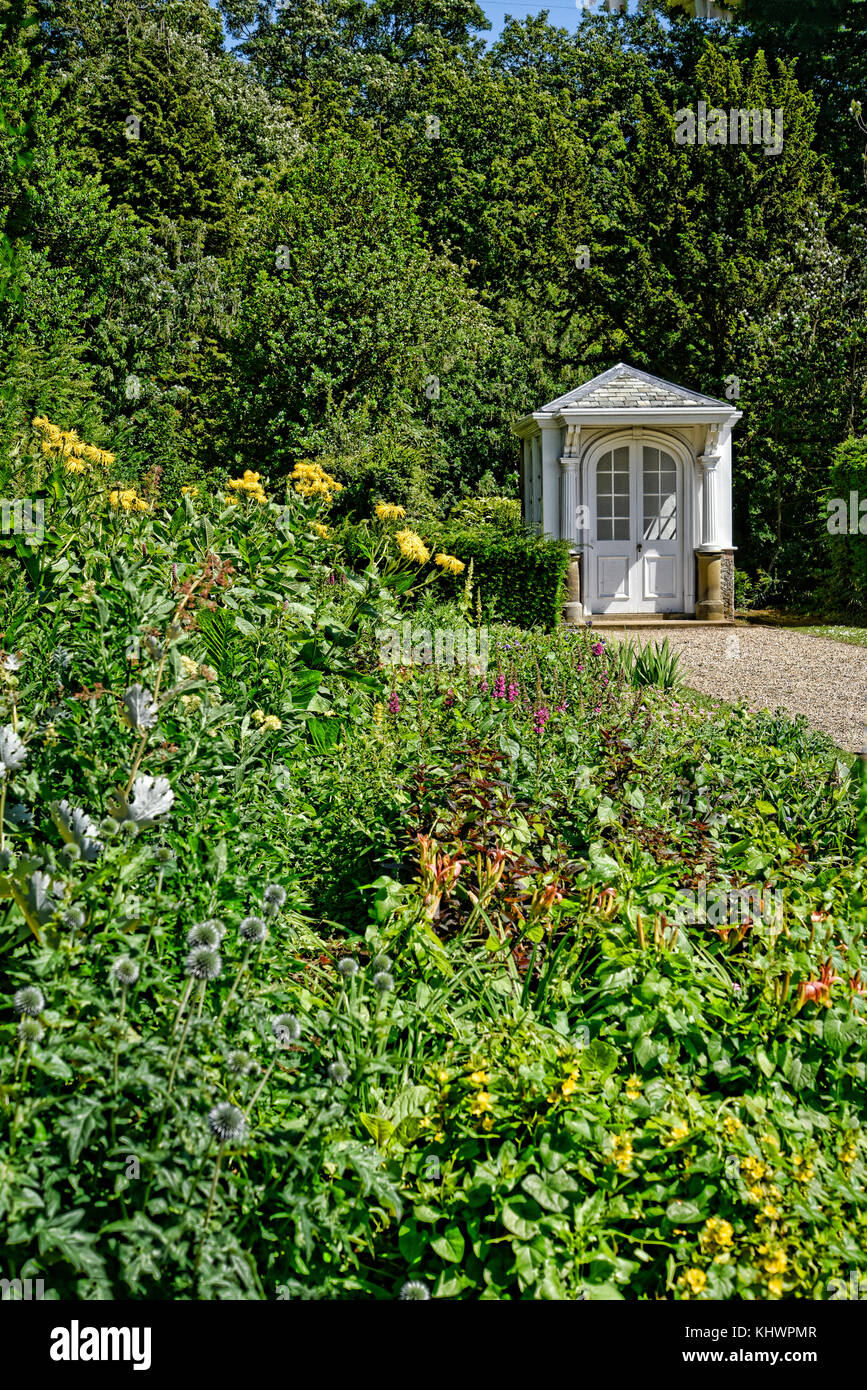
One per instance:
(502,513)
(846,588)
(521,576)
(321,979)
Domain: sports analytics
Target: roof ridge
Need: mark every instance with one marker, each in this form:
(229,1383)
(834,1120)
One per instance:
(621,370)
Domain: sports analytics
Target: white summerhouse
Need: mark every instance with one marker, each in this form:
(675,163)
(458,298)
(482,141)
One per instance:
(636,474)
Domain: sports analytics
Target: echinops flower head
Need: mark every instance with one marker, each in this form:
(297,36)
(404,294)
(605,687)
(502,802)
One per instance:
(226,1121)
(253,929)
(203,963)
(125,971)
(286,1029)
(205,934)
(29,1000)
(414,1289)
(30,1030)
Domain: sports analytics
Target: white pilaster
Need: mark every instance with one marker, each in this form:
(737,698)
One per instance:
(536,444)
(550,452)
(710,502)
(570,496)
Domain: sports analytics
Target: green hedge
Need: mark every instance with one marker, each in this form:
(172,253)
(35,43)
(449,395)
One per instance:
(847,564)
(522,576)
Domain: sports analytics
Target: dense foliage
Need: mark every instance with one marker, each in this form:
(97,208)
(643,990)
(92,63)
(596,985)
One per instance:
(846,524)
(355,234)
(512,978)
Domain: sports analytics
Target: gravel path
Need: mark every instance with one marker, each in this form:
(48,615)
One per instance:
(767,667)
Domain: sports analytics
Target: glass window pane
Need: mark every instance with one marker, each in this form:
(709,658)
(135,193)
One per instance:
(660,495)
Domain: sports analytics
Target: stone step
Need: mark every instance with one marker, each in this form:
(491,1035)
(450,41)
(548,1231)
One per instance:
(630,623)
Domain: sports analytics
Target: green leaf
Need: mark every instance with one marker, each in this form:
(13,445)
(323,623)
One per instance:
(766,1064)
(682,1213)
(325,733)
(521,1216)
(379,1128)
(451,1244)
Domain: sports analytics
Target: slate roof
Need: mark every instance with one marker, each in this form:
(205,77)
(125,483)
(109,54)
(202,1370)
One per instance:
(624,387)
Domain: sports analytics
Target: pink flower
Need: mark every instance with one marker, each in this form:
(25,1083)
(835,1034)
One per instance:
(513,692)
(394,703)
(449,700)
(500,687)
(540,719)
(560,708)
(597,649)
(484,687)
(579,668)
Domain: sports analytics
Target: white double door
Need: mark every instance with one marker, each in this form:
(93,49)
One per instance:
(635,513)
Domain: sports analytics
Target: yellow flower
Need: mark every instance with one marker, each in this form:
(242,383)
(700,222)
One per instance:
(633,1088)
(449,563)
(776,1287)
(128,499)
(694,1280)
(388,511)
(679,1132)
(271,722)
(770,1211)
(377,712)
(479,1078)
(753,1168)
(190,490)
(442,1077)
(412,547)
(323,531)
(775,1264)
(482,1102)
(731,1125)
(74,466)
(621,1150)
(189,667)
(309,479)
(716,1235)
(191,703)
(232,500)
(488,1122)
(258,715)
(568,1086)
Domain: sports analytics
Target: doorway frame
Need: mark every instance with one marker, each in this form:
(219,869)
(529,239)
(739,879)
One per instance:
(685,461)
